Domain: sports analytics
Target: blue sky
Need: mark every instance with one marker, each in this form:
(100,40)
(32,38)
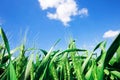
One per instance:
(90,21)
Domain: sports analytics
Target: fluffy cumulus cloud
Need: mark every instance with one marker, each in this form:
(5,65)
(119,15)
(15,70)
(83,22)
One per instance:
(64,9)
(111,34)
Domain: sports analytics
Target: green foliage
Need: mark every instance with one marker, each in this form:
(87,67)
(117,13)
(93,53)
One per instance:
(12,72)
(68,64)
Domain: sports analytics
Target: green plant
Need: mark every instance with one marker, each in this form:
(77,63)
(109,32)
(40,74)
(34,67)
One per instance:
(68,64)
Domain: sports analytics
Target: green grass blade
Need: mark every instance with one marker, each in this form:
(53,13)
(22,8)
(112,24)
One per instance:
(106,72)
(118,55)
(86,62)
(112,49)
(3,76)
(76,63)
(98,45)
(94,73)
(32,72)
(44,52)
(44,62)
(115,73)
(101,62)
(28,68)
(53,71)
(66,67)
(61,73)
(21,62)
(12,72)
(5,59)
(88,75)
(43,75)
(3,35)
(41,68)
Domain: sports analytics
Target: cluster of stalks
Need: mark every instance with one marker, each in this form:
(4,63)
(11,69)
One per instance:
(70,64)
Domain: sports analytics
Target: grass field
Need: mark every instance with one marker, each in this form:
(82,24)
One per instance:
(70,64)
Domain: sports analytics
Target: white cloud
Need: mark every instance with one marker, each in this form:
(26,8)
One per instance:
(111,34)
(83,12)
(64,9)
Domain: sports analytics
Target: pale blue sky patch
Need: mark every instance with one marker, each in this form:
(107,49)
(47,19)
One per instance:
(87,19)
(1,21)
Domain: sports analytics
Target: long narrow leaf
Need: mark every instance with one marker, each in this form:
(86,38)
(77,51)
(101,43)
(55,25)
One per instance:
(116,73)
(86,62)
(2,33)
(44,63)
(112,49)
(28,68)
(12,72)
